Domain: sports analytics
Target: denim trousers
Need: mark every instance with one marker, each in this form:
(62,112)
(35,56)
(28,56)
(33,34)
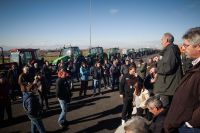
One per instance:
(185,129)
(62,117)
(36,124)
(115,82)
(97,84)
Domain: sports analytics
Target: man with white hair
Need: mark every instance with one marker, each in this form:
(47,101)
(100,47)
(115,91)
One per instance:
(137,124)
(184,113)
(168,68)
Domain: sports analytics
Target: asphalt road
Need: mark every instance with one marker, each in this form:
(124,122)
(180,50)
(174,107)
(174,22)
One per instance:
(99,114)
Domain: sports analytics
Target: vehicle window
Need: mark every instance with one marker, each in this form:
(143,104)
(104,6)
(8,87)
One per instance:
(66,51)
(37,55)
(14,57)
(27,57)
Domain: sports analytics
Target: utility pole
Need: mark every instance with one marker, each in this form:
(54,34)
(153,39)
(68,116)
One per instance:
(90,12)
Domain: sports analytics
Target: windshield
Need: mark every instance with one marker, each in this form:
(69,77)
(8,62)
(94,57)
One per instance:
(37,55)
(70,51)
(97,50)
(14,57)
(114,50)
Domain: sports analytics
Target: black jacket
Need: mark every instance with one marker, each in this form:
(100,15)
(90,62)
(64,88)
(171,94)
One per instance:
(98,73)
(63,91)
(127,85)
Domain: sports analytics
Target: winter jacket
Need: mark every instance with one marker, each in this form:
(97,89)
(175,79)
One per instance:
(63,91)
(127,86)
(185,106)
(84,71)
(169,71)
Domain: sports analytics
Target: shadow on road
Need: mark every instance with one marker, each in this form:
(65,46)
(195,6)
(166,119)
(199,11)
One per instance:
(113,111)
(109,124)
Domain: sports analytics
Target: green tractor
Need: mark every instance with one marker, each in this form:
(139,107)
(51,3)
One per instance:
(96,54)
(66,54)
(113,53)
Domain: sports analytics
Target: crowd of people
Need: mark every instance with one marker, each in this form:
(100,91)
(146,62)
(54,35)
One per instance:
(160,95)
(170,91)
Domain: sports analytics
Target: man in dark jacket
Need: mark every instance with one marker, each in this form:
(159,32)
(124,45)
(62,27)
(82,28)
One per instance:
(184,113)
(155,106)
(127,87)
(97,77)
(115,74)
(63,94)
(5,101)
(169,68)
(33,110)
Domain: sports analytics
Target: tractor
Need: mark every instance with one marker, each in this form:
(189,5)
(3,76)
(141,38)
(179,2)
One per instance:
(96,54)
(20,57)
(113,53)
(67,54)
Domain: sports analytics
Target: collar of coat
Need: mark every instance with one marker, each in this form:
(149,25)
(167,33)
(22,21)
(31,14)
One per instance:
(194,69)
(196,61)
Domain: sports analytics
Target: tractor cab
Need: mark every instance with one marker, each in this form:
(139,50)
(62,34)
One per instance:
(23,56)
(113,53)
(66,54)
(19,57)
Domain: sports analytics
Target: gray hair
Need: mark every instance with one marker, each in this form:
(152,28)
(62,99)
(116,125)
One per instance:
(193,36)
(154,102)
(137,124)
(170,37)
(25,68)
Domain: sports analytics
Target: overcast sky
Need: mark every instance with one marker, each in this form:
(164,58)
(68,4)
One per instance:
(49,24)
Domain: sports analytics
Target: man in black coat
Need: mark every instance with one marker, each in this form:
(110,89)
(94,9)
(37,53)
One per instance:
(169,68)
(127,86)
(63,94)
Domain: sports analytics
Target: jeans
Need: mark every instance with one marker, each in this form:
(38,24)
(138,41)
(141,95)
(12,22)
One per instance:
(36,124)
(84,86)
(97,84)
(62,117)
(185,129)
(115,82)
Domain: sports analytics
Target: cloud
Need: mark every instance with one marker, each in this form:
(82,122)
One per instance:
(113,11)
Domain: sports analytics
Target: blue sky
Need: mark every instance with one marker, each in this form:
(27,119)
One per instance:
(49,24)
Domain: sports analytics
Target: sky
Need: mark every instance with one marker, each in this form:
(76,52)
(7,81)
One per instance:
(51,24)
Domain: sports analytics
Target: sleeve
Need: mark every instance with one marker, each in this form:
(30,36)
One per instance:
(195,121)
(121,69)
(122,85)
(143,67)
(81,71)
(168,63)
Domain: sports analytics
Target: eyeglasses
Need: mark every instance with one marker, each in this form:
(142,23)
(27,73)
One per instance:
(186,45)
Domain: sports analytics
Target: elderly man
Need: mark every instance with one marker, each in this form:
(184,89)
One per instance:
(137,124)
(169,68)
(184,113)
(155,106)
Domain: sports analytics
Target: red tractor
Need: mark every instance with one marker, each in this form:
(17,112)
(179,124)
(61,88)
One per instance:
(20,57)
